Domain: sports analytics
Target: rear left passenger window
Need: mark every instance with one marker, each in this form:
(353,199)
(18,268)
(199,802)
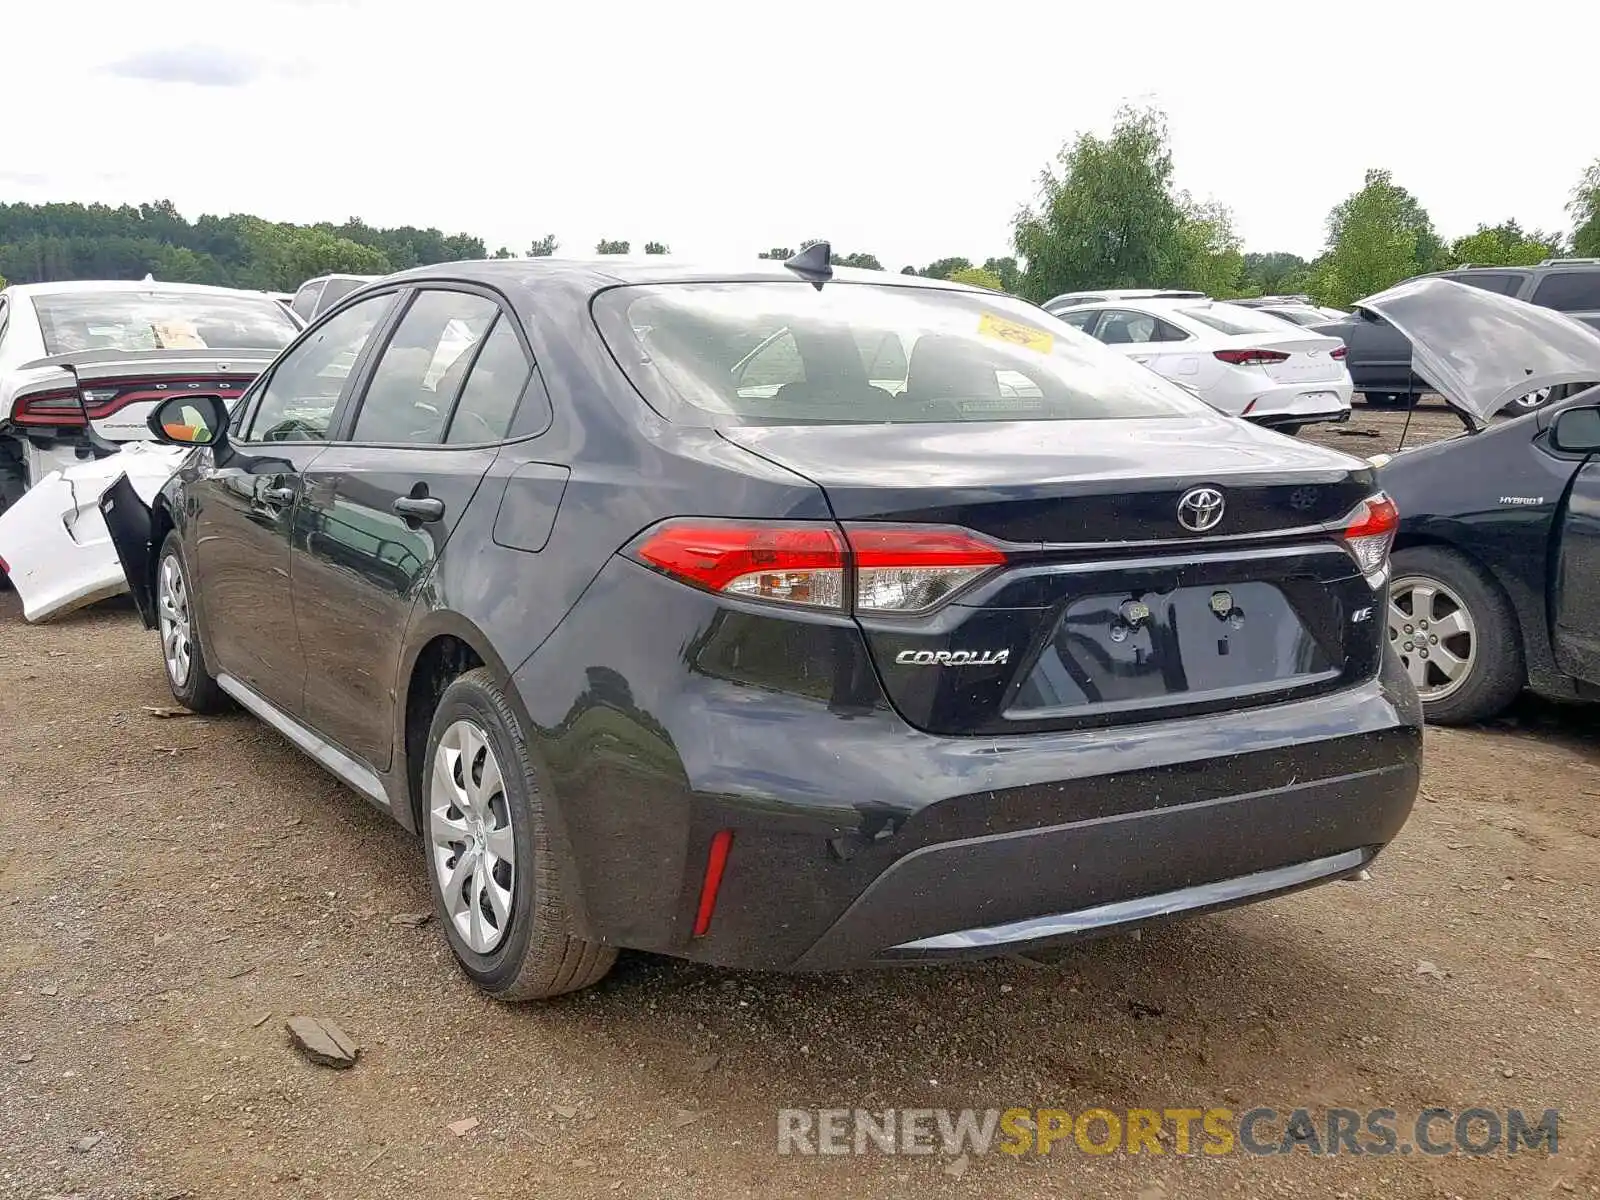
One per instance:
(494,385)
(1569,291)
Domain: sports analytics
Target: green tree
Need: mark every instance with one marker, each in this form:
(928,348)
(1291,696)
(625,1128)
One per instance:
(1206,253)
(1006,270)
(544,247)
(1276,273)
(1504,245)
(865,262)
(1377,236)
(945,268)
(501,253)
(1107,217)
(656,248)
(1584,209)
(977,277)
(606,246)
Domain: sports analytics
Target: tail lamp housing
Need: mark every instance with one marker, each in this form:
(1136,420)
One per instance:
(1369,535)
(863,567)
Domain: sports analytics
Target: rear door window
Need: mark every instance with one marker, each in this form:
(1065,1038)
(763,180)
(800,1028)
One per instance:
(1120,326)
(1500,283)
(495,383)
(413,387)
(1569,291)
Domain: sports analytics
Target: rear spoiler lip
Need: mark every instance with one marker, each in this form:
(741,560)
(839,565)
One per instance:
(147,359)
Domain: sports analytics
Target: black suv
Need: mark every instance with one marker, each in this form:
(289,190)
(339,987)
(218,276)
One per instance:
(781,617)
(1379,356)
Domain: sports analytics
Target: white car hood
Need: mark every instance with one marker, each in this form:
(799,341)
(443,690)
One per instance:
(1480,350)
(54,540)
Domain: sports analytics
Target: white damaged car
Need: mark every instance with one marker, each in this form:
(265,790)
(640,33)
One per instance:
(53,541)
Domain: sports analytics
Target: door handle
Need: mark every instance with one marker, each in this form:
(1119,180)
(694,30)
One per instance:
(419,508)
(278,495)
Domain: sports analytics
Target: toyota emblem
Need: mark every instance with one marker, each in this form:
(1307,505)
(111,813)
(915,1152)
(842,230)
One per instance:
(1200,509)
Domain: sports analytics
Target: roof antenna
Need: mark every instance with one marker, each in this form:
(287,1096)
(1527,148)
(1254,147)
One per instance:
(813,264)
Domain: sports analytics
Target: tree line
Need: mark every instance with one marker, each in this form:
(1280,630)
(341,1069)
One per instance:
(1107,214)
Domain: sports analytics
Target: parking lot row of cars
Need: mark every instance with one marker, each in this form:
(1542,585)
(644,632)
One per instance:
(797,617)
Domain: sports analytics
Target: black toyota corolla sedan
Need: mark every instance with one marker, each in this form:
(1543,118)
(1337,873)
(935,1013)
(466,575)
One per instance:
(1497,562)
(781,617)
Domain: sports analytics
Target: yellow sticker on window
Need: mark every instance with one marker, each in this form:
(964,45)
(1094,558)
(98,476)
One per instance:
(177,334)
(1026,336)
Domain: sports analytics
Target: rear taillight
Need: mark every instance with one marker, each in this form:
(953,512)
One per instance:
(788,563)
(49,408)
(906,569)
(1339,352)
(870,568)
(1250,358)
(1369,532)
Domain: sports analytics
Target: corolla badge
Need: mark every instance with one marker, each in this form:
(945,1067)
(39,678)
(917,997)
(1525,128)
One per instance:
(952,658)
(1200,509)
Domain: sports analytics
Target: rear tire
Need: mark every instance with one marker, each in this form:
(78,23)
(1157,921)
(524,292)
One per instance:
(184,656)
(1440,600)
(486,842)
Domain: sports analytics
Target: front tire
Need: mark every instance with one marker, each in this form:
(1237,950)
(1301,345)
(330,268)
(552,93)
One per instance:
(487,844)
(188,675)
(1456,635)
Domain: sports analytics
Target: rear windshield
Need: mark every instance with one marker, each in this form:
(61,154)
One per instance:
(72,321)
(1300,316)
(1235,319)
(768,353)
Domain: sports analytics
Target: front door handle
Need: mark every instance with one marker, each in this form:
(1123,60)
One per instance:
(419,508)
(278,495)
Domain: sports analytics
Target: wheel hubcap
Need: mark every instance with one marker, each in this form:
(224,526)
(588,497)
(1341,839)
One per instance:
(1433,633)
(172,606)
(469,825)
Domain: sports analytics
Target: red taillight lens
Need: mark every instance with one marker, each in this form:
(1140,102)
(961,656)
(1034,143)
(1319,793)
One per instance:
(1339,353)
(1250,358)
(49,408)
(906,569)
(897,568)
(1369,533)
(791,563)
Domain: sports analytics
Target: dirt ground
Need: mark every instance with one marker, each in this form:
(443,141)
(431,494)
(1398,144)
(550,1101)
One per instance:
(172,889)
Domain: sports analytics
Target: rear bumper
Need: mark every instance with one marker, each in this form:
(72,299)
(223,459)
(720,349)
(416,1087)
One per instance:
(858,840)
(1301,403)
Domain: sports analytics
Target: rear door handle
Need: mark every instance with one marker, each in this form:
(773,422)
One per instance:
(419,508)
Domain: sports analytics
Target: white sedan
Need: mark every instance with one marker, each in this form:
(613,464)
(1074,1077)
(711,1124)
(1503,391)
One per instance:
(1240,361)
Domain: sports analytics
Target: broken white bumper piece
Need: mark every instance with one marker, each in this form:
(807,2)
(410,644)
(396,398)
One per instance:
(54,541)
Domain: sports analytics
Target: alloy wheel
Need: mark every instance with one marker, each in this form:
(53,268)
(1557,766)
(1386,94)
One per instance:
(473,848)
(1434,634)
(172,605)
(1531,400)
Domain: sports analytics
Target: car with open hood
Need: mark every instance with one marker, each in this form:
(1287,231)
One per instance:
(1497,562)
(781,616)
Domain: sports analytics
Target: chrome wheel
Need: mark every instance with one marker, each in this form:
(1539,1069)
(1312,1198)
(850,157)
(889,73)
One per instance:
(1433,633)
(469,824)
(172,606)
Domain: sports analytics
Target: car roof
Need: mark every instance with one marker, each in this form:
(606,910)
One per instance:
(70,286)
(611,270)
(1157,303)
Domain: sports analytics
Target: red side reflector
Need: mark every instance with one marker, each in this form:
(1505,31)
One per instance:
(716,861)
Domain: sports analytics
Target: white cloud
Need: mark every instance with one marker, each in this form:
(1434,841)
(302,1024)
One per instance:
(909,130)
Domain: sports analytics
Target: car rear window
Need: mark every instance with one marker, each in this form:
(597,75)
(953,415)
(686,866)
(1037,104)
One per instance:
(1234,319)
(767,353)
(1299,316)
(72,321)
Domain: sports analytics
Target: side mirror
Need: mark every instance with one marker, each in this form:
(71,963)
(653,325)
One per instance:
(1577,431)
(190,421)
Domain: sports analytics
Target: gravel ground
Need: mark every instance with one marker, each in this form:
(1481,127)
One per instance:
(172,889)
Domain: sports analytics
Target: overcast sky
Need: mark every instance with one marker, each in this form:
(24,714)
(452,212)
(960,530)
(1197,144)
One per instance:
(911,130)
